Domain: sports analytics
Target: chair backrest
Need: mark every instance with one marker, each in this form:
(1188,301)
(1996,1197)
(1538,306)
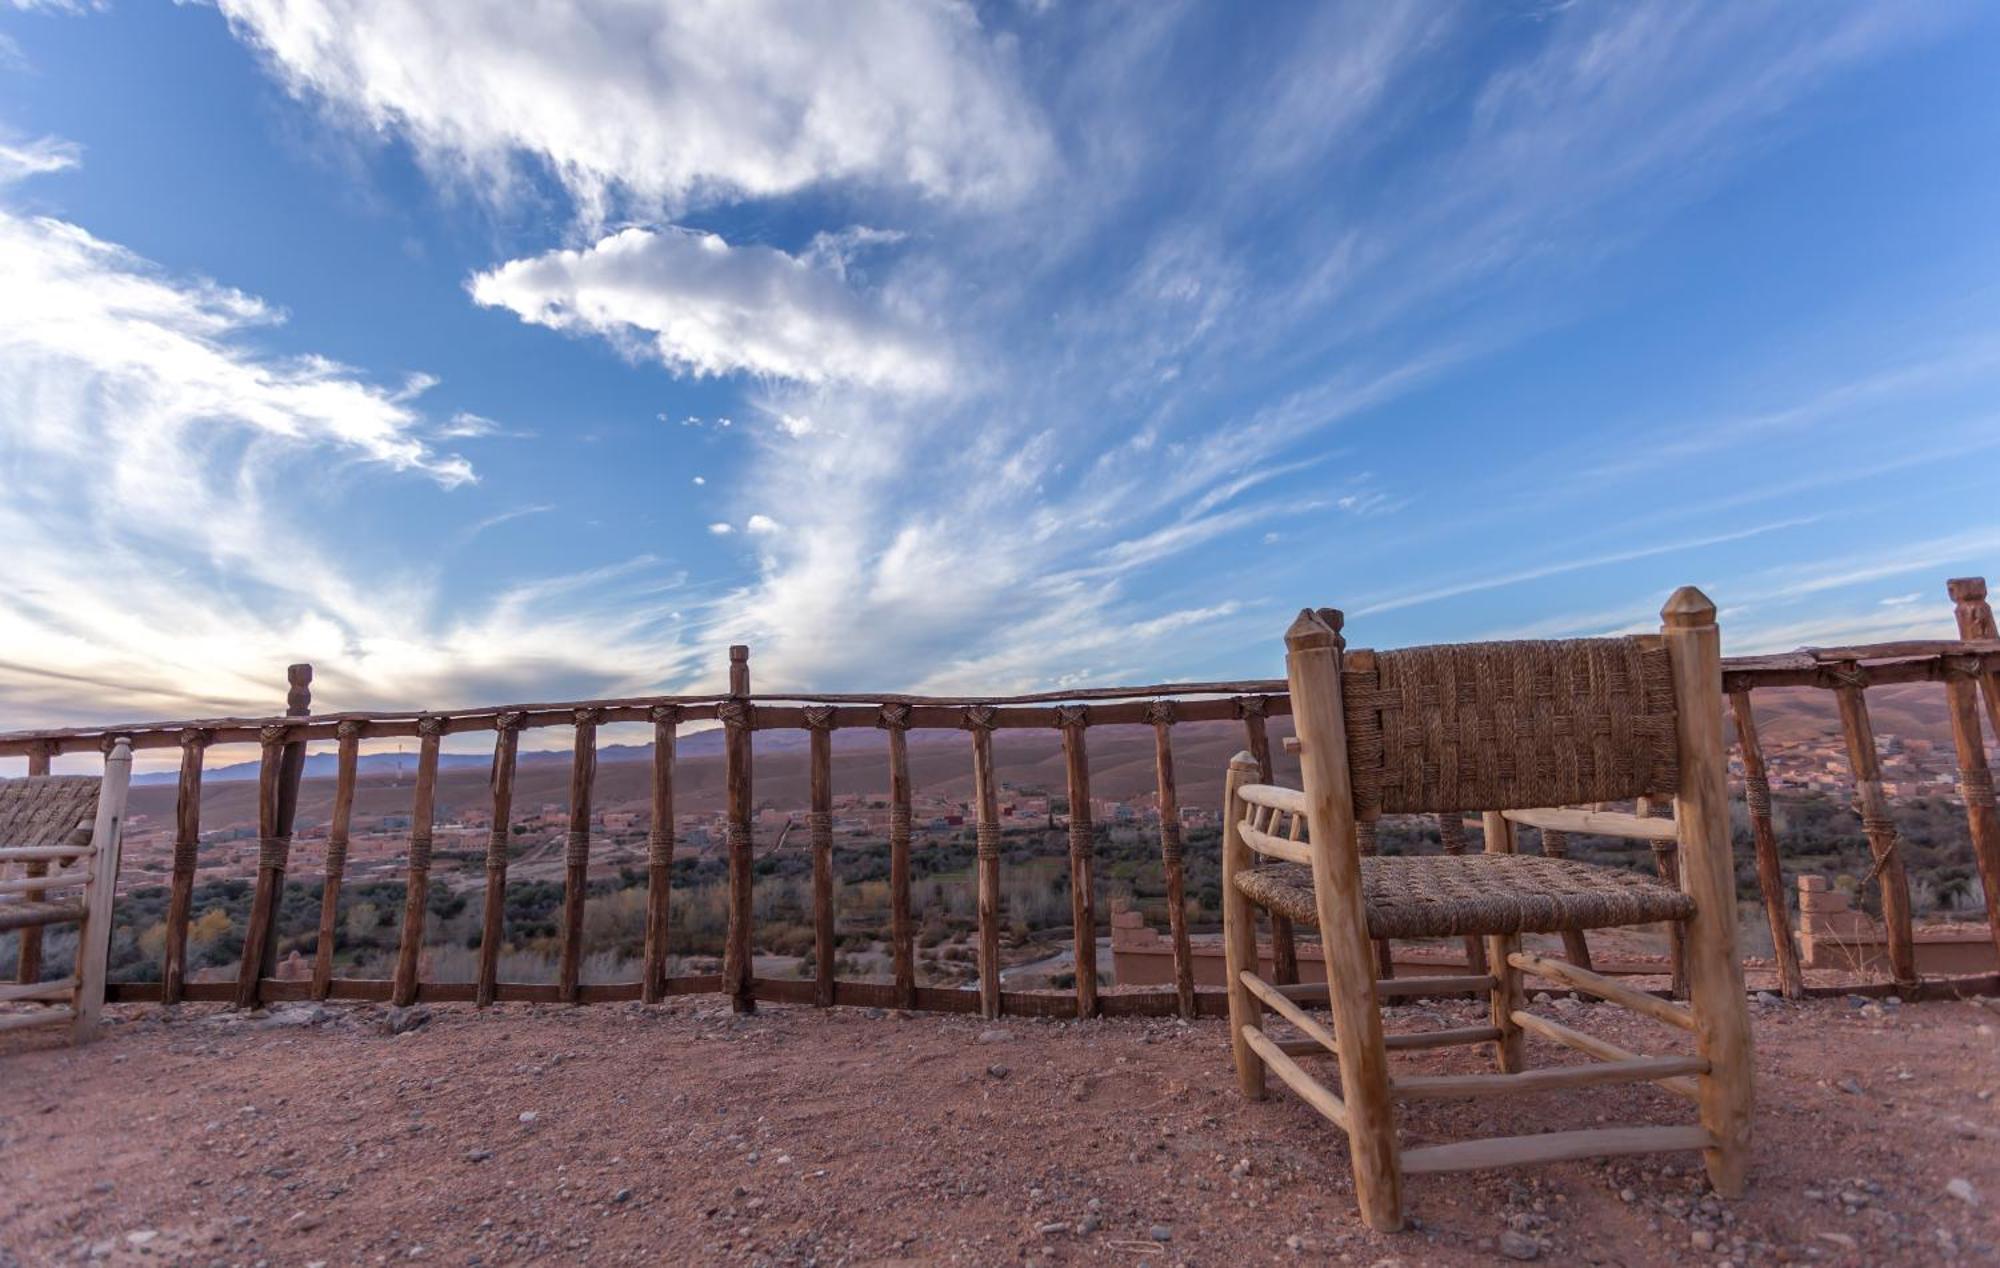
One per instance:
(46,810)
(1508,726)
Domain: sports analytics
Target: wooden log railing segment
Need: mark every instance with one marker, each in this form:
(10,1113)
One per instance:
(417,883)
(493,918)
(1602,823)
(346,768)
(659,855)
(1877,825)
(272,854)
(28,953)
(180,883)
(1082,886)
(576,853)
(1284,940)
(1170,854)
(738,973)
(986,796)
(1770,876)
(1969,668)
(895,719)
(819,821)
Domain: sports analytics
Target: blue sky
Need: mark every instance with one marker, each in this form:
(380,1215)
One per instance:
(482,352)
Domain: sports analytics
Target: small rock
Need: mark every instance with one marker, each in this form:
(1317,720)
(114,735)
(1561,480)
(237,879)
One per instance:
(1839,1239)
(1627,1196)
(1295,1243)
(141,1237)
(1089,1224)
(1052,1228)
(1160,1233)
(1519,1246)
(529,1116)
(623,1195)
(1850,1086)
(478,1155)
(401,1021)
(1702,1239)
(1241,1170)
(1962,1189)
(997,1070)
(995,1034)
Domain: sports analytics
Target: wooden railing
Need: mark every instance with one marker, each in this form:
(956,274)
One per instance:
(1966,667)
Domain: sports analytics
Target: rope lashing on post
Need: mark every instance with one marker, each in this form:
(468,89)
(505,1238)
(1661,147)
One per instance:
(1757,795)
(980,717)
(893,717)
(819,717)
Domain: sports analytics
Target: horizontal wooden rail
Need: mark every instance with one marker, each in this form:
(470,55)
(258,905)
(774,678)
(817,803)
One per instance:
(1422,1087)
(1602,823)
(1569,1037)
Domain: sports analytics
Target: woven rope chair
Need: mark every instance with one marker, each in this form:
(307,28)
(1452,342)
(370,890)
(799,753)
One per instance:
(75,825)
(1515,731)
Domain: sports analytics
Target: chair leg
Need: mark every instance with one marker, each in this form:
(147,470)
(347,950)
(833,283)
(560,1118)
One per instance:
(1507,998)
(1239,933)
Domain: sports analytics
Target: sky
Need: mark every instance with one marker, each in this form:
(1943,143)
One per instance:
(486,352)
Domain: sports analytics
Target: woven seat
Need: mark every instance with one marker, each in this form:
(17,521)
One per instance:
(1477,894)
(44,810)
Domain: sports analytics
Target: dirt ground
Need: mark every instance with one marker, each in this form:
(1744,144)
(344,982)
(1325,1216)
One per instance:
(623,1134)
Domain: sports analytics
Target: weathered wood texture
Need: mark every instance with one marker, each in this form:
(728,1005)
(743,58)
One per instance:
(1082,884)
(660,855)
(576,853)
(1770,876)
(1284,940)
(1880,828)
(180,883)
(819,831)
(417,882)
(346,767)
(493,918)
(1170,855)
(986,800)
(737,969)
(895,719)
(28,957)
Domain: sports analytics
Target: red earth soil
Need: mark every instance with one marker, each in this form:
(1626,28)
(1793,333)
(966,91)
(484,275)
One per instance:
(619,1134)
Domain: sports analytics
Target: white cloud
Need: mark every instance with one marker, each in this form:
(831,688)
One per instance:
(22,159)
(704,307)
(721,529)
(762,526)
(672,105)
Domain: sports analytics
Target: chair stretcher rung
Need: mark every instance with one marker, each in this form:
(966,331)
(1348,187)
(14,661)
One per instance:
(18,914)
(1289,1011)
(43,1017)
(72,879)
(1548,1079)
(1553,1030)
(60,989)
(1603,988)
(1514,1151)
(1311,1090)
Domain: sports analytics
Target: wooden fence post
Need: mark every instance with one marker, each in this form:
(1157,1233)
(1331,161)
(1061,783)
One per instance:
(1975,782)
(180,887)
(1284,942)
(660,854)
(979,719)
(895,719)
(346,769)
(1576,948)
(493,919)
(1072,720)
(738,971)
(1770,876)
(576,854)
(1975,621)
(29,956)
(1161,714)
(1666,861)
(417,884)
(819,836)
(284,762)
(1451,835)
(1876,823)
(272,853)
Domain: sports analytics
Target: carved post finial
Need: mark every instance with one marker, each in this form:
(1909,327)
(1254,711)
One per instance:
(1688,608)
(299,697)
